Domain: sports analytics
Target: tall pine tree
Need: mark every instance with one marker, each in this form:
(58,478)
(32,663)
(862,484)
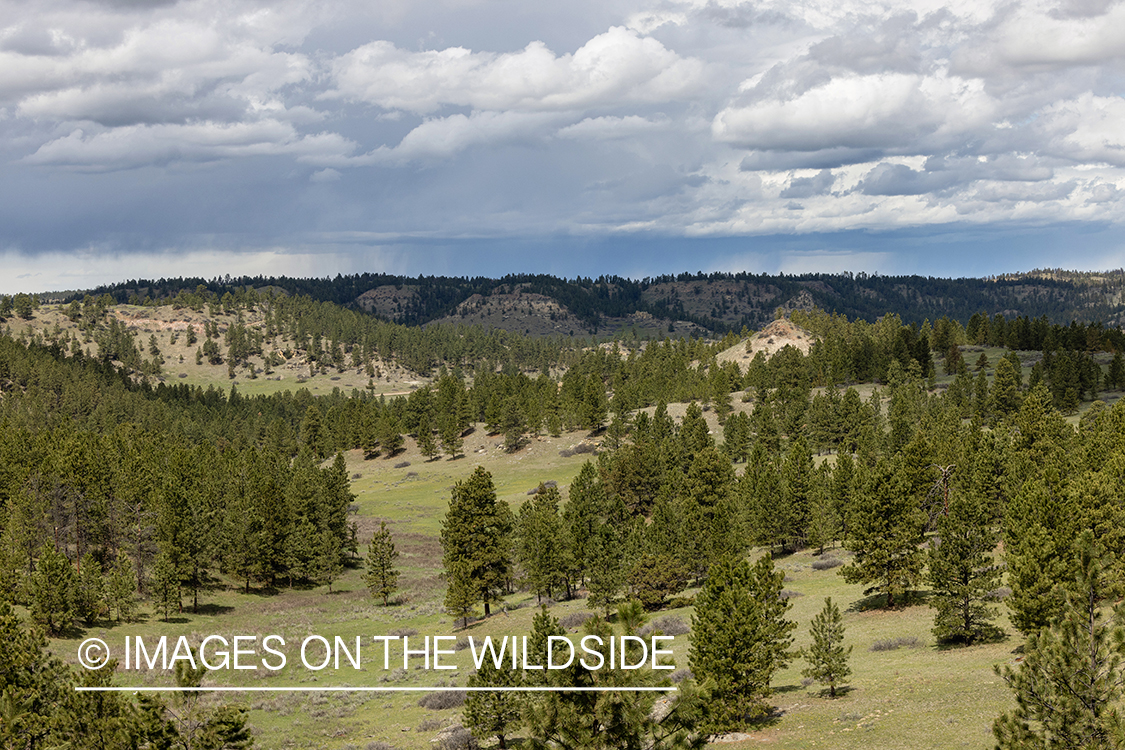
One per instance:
(381,576)
(476,537)
(740,638)
(962,572)
(884,535)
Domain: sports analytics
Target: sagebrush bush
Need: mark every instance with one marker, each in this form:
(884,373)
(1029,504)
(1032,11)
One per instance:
(891,644)
(575,619)
(668,625)
(442,700)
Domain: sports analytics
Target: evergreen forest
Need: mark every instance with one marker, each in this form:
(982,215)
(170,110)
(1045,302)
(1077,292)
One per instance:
(266,455)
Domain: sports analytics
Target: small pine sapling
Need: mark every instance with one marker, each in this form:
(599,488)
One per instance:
(381,576)
(827,656)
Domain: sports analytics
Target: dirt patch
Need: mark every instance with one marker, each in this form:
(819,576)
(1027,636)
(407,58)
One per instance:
(770,340)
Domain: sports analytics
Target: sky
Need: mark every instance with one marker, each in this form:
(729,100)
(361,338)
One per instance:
(146,139)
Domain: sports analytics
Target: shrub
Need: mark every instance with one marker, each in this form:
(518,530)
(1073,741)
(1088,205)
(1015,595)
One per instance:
(892,644)
(402,464)
(1001,593)
(575,619)
(668,625)
(827,563)
(430,724)
(458,738)
(442,700)
(575,450)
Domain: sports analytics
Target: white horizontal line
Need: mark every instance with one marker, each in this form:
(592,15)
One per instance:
(347,689)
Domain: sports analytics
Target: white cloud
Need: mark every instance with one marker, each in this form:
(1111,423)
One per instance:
(140,145)
(887,111)
(607,128)
(1045,36)
(615,67)
(153,65)
(1086,129)
(443,137)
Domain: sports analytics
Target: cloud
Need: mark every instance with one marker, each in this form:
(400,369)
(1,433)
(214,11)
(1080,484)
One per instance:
(827,158)
(140,145)
(1037,37)
(444,137)
(806,187)
(886,111)
(617,66)
(718,118)
(607,128)
(149,64)
(1086,129)
(899,179)
(325,175)
(1007,191)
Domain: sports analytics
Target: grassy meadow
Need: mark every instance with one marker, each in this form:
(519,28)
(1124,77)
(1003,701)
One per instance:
(912,695)
(905,692)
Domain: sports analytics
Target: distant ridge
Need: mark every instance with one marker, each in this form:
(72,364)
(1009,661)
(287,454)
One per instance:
(699,303)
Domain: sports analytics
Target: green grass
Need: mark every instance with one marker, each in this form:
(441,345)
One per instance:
(912,697)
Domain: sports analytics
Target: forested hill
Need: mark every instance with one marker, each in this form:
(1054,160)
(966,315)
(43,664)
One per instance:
(682,304)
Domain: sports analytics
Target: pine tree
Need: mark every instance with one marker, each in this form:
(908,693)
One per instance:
(736,437)
(1005,389)
(52,591)
(539,537)
(494,713)
(740,638)
(711,527)
(884,535)
(381,576)
(796,479)
(513,424)
(1040,526)
(32,684)
(426,443)
(980,395)
(827,657)
(451,441)
(1070,683)
(121,589)
(582,516)
(613,718)
(328,561)
(165,585)
(389,430)
(606,571)
(476,534)
(461,593)
(90,596)
(824,520)
(1115,376)
(962,573)
(106,720)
